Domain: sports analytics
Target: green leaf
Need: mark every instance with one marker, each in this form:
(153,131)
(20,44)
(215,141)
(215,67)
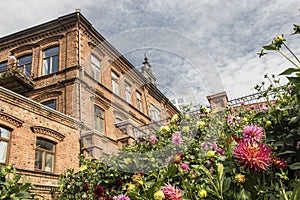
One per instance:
(220,169)
(295,80)
(285,153)
(297,192)
(244,195)
(270,47)
(295,166)
(290,71)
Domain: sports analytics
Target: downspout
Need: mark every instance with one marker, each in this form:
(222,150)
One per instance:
(80,74)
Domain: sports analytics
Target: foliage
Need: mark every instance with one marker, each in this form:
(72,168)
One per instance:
(245,152)
(10,188)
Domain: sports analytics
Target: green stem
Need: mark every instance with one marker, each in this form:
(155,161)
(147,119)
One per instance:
(291,52)
(283,190)
(287,58)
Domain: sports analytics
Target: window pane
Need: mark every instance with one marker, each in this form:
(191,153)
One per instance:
(3,150)
(49,163)
(25,60)
(50,104)
(44,144)
(54,64)
(4,133)
(46,69)
(38,163)
(51,52)
(3,66)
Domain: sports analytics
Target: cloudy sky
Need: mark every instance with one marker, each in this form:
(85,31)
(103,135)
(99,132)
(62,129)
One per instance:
(195,47)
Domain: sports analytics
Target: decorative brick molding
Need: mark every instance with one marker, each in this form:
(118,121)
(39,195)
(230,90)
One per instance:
(11,119)
(49,132)
(47,95)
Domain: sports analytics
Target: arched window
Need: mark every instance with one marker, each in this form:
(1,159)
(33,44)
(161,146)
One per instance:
(4,140)
(44,155)
(50,60)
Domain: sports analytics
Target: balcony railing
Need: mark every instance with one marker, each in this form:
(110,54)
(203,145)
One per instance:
(15,78)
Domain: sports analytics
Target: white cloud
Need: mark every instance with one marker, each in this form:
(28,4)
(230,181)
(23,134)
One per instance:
(229,33)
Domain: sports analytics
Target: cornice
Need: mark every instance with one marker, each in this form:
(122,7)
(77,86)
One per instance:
(11,119)
(48,132)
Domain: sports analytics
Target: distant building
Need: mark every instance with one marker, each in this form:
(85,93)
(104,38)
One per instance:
(181,101)
(64,90)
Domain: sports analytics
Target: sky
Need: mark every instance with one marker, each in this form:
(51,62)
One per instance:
(195,47)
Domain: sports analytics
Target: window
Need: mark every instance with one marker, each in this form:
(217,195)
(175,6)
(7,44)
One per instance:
(155,113)
(99,120)
(50,60)
(24,64)
(115,83)
(117,120)
(95,65)
(3,66)
(44,155)
(128,92)
(50,104)
(139,101)
(4,139)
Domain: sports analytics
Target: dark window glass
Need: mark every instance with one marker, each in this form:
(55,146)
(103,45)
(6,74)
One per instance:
(50,64)
(44,155)
(24,64)
(99,120)
(50,104)
(3,66)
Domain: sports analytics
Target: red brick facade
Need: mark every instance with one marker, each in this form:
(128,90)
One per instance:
(99,110)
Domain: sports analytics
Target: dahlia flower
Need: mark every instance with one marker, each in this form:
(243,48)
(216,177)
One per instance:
(123,197)
(171,193)
(185,167)
(252,155)
(176,138)
(99,191)
(252,132)
(153,139)
(278,163)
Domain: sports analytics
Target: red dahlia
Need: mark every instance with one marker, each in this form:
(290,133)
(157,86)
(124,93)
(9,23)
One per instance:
(252,155)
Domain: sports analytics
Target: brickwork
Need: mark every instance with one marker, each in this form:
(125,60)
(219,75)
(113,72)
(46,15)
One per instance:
(76,93)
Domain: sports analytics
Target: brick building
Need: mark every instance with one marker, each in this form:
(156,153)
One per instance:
(64,90)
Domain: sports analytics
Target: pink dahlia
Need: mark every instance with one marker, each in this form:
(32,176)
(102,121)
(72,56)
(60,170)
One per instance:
(278,163)
(171,193)
(252,132)
(252,155)
(185,167)
(123,197)
(153,139)
(176,138)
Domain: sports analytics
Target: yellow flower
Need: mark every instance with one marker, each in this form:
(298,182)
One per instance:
(202,193)
(128,186)
(210,154)
(159,195)
(127,160)
(136,177)
(240,178)
(82,168)
(245,119)
(279,39)
(200,124)
(187,116)
(186,129)
(268,123)
(165,129)
(175,118)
